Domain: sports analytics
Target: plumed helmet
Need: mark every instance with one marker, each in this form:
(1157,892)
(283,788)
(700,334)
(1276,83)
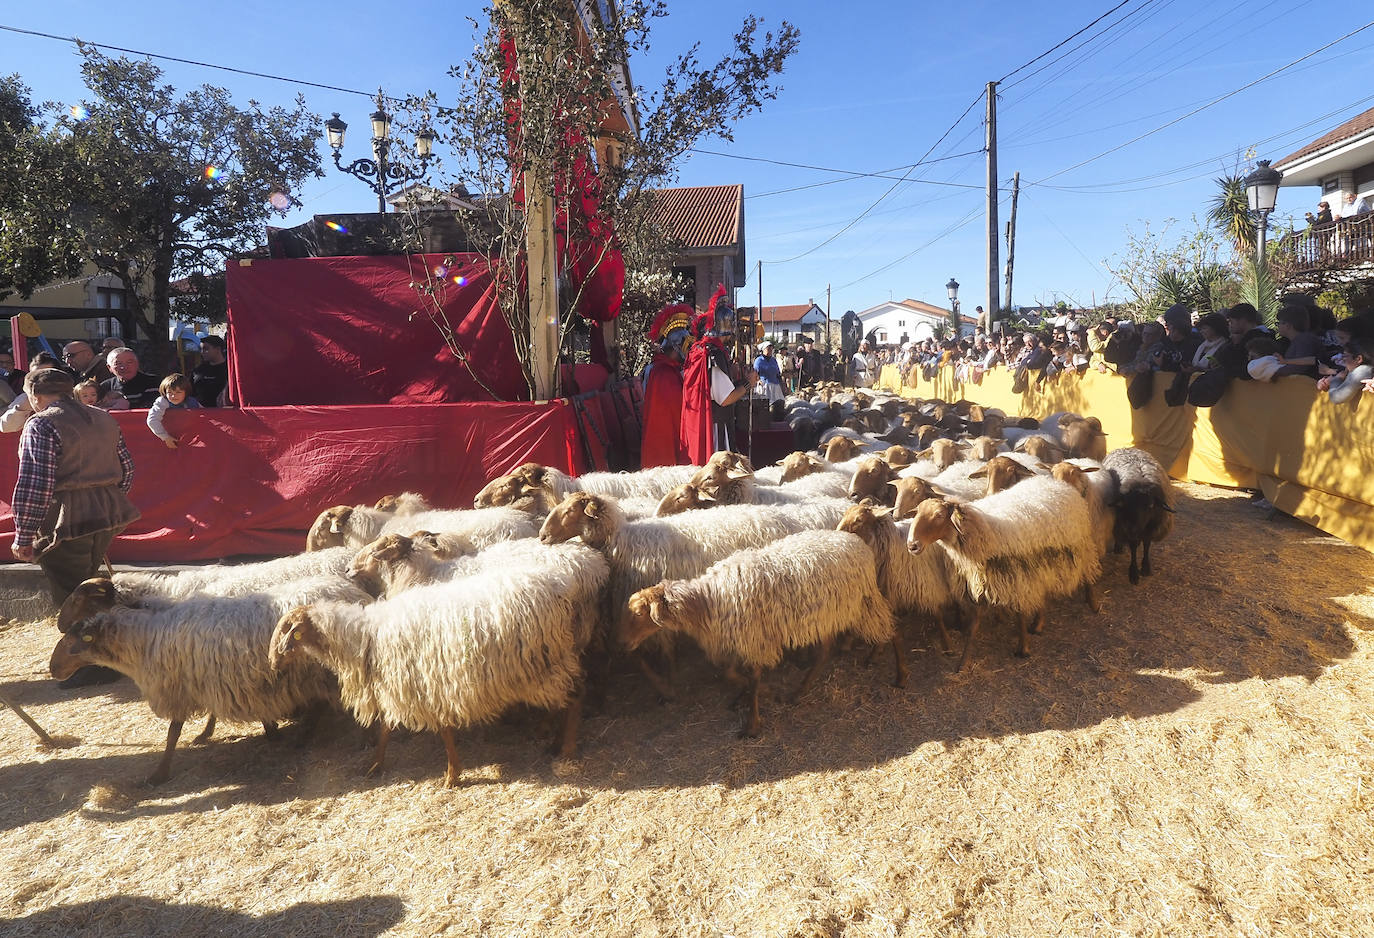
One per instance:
(669,327)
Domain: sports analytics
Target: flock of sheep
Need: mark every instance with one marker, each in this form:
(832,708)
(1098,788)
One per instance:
(442,619)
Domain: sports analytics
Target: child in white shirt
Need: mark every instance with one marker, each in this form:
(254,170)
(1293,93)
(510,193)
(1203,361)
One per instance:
(175,395)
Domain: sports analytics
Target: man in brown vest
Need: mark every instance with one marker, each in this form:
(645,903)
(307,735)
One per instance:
(70,498)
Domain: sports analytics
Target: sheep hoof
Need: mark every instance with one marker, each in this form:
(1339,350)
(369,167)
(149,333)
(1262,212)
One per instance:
(453,779)
(202,738)
(157,778)
(1022,653)
(748,732)
(1134,574)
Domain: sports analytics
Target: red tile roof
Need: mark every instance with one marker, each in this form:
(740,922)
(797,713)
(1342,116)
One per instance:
(1351,128)
(701,216)
(784,314)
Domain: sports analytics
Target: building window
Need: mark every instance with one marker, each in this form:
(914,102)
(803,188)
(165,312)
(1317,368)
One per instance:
(111,298)
(882,336)
(1330,186)
(687,276)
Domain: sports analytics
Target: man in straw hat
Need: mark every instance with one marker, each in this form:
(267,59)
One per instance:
(71,495)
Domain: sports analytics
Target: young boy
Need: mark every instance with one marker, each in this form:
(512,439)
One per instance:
(1264,359)
(175,391)
(1300,358)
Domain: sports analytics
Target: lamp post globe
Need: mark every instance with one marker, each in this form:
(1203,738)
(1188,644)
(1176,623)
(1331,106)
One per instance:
(380,174)
(952,289)
(1262,191)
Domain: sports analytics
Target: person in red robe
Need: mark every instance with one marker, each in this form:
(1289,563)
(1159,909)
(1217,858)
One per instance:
(662,439)
(708,388)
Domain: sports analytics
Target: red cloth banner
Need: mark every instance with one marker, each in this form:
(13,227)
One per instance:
(252,481)
(352,330)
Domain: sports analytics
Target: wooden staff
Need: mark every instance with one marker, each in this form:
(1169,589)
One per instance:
(47,740)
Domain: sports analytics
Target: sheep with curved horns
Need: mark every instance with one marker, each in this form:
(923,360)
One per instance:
(911,583)
(731,611)
(1016,549)
(394,563)
(139,588)
(1144,503)
(450,655)
(641,553)
(206,655)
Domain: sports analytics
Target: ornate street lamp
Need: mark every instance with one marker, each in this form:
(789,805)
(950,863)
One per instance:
(1262,189)
(380,174)
(952,288)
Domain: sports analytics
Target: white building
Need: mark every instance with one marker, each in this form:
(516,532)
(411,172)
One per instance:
(790,324)
(899,322)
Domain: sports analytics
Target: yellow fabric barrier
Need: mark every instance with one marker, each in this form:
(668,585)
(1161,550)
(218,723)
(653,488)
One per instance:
(1313,459)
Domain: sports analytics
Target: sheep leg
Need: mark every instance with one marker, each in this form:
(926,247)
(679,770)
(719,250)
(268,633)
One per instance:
(1090,596)
(565,743)
(309,723)
(206,733)
(455,764)
(665,693)
(269,729)
(822,656)
(1133,571)
(164,768)
(379,754)
(1145,560)
(944,634)
(1038,625)
(899,660)
(1023,649)
(751,726)
(974,616)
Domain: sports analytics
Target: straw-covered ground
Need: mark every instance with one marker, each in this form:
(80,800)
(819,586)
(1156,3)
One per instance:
(1197,761)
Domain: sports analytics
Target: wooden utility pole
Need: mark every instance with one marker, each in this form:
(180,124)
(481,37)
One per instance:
(994,233)
(759,317)
(1011,230)
(827,319)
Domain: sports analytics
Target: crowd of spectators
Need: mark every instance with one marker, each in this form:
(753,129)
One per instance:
(1197,355)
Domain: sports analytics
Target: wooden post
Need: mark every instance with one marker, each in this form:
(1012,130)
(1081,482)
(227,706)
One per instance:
(994,306)
(543,286)
(1011,233)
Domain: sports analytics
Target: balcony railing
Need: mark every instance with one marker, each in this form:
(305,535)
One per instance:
(1337,245)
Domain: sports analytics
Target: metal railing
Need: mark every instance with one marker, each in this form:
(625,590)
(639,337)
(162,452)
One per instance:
(1335,245)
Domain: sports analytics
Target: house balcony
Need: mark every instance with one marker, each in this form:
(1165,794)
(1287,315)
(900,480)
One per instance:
(1330,253)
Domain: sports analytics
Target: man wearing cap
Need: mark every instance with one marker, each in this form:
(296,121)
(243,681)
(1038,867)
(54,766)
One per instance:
(812,363)
(770,374)
(71,494)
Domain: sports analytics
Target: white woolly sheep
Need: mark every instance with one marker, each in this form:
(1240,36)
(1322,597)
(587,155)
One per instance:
(1144,503)
(155,588)
(641,553)
(482,527)
(984,448)
(354,525)
(1083,438)
(646,483)
(206,655)
(450,655)
(1001,473)
(840,449)
(731,610)
(394,562)
(911,583)
(1042,447)
(910,492)
(1016,549)
(403,503)
(871,478)
(1099,488)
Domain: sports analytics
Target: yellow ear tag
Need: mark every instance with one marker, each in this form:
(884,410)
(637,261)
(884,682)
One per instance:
(88,637)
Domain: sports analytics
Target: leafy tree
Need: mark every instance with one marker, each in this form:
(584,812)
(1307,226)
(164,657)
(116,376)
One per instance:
(156,186)
(545,126)
(1159,271)
(37,246)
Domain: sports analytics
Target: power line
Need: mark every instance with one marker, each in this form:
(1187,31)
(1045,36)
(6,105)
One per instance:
(173,58)
(891,189)
(1211,103)
(1057,45)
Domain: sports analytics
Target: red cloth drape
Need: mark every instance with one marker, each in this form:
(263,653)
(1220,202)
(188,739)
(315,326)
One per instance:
(252,481)
(661,443)
(353,330)
(698,437)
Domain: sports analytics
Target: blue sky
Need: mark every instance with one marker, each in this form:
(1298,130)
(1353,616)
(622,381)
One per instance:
(871,88)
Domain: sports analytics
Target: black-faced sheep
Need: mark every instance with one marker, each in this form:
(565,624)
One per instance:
(731,610)
(1016,549)
(205,656)
(1144,503)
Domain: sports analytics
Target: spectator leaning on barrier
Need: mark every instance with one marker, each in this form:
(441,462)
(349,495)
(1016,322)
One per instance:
(139,387)
(209,378)
(1355,370)
(1299,357)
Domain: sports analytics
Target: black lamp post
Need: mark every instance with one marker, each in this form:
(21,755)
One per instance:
(1262,190)
(379,173)
(952,288)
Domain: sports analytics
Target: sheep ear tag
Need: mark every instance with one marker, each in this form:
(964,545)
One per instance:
(87,637)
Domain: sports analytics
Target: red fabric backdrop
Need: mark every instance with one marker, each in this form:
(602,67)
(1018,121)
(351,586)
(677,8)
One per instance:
(352,330)
(252,481)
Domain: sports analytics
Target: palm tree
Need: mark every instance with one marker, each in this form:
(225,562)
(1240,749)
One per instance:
(1229,213)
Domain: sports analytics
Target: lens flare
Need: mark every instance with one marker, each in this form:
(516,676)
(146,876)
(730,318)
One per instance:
(279,201)
(79,112)
(440,271)
(460,280)
(213,172)
(335,226)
